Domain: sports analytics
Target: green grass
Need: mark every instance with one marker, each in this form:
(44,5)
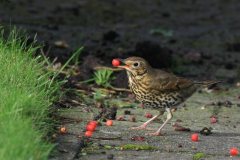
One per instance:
(25,95)
(102,77)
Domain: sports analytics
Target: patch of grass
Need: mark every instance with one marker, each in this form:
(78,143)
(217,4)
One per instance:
(25,97)
(198,156)
(159,31)
(142,147)
(102,77)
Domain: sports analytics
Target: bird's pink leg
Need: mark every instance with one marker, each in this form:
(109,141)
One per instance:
(144,125)
(169,117)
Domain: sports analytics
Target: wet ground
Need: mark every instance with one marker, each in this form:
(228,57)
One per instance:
(196,39)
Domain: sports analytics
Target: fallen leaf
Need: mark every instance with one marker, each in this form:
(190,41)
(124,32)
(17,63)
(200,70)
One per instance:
(61,44)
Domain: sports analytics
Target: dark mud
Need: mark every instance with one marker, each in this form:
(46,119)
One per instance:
(191,38)
(199,40)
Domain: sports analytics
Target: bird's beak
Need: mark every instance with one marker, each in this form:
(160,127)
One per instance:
(123,61)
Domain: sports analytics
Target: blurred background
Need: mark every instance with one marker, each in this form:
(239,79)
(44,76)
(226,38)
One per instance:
(191,38)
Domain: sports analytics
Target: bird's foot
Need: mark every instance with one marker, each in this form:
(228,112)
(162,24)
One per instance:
(155,134)
(141,127)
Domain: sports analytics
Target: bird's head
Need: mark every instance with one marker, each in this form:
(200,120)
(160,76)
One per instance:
(135,65)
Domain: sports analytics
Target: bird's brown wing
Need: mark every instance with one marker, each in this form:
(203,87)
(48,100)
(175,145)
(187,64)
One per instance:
(167,81)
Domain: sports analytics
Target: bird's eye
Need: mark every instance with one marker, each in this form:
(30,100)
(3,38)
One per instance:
(135,64)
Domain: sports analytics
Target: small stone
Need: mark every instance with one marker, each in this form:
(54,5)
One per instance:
(194,148)
(127,112)
(179,145)
(110,156)
(205,131)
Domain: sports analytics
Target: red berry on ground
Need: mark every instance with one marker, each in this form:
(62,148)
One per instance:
(233,151)
(115,62)
(194,137)
(90,127)
(93,123)
(139,139)
(120,118)
(109,123)
(148,115)
(63,130)
(133,119)
(213,120)
(88,133)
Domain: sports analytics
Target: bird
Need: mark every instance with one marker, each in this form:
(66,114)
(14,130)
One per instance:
(157,89)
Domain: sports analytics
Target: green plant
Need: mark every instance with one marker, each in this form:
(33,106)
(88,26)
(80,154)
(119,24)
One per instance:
(159,31)
(102,77)
(26,95)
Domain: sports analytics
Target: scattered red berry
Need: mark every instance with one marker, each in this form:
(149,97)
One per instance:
(139,139)
(213,120)
(120,118)
(194,137)
(233,151)
(133,119)
(148,115)
(91,127)
(93,123)
(131,96)
(88,133)
(115,62)
(109,123)
(63,130)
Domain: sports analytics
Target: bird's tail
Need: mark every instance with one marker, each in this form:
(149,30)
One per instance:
(208,82)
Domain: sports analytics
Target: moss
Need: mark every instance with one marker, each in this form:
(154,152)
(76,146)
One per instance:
(198,156)
(143,147)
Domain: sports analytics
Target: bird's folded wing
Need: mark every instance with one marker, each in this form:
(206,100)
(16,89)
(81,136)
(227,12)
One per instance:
(167,81)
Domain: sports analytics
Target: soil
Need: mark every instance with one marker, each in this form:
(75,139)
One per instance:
(192,38)
(199,40)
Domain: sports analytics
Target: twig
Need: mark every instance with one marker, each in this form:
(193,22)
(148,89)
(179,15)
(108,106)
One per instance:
(116,104)
(76,102)
(105,90)
(81,91)
(48,50)
(54,61)
(63,72)
(119,89)
(112,69)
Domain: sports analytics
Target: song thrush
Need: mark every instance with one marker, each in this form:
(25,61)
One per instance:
(157,89)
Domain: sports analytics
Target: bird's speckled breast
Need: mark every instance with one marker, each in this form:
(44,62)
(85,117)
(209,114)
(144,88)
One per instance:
(152,98)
